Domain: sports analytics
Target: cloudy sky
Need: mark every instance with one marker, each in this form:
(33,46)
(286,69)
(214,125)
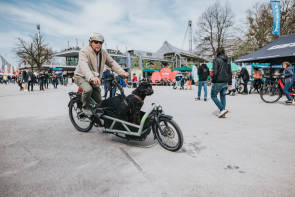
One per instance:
(131,24)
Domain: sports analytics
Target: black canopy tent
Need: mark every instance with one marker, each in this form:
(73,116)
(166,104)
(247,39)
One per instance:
(281,49)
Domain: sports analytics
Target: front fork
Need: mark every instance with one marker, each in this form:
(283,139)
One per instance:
(156,124)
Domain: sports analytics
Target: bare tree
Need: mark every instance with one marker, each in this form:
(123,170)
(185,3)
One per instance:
(213,31)
(35,53)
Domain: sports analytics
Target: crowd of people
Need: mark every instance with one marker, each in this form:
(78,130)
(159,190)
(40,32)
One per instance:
(225,82)
(27,80)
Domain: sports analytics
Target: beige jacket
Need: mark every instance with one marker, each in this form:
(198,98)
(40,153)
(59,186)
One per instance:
(88,63)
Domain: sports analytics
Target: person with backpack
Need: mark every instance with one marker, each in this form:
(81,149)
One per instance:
(288,74)
(221,79)
(203,73)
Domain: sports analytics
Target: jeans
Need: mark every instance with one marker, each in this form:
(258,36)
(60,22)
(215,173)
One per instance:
(287,87)
(202,83)
(219,88)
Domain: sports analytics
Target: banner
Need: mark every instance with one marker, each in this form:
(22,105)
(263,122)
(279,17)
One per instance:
(128,60)
(276,13)
(140,60)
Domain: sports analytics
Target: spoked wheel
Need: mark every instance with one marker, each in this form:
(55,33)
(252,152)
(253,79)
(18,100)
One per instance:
(240,88)
(80,121)
(169,134)
(270,93)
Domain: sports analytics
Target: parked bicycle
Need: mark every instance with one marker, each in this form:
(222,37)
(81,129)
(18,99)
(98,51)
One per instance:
(273,88)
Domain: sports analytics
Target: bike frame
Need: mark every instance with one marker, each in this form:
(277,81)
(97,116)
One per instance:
(125,124)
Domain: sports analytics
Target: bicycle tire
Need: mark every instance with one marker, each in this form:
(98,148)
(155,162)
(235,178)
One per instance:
(177,131)
(265,89)
(71,107)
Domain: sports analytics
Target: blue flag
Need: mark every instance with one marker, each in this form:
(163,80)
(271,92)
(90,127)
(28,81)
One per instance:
(276,13)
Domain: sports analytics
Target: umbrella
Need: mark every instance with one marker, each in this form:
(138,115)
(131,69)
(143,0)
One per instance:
(148,70)
(183,68)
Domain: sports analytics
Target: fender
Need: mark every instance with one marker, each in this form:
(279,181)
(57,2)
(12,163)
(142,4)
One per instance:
(76,98)
(166,116)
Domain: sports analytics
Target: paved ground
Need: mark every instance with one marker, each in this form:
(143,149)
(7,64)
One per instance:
(249,153)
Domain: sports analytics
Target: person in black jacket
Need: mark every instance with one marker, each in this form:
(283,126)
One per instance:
(244,74)
(203,73)
(41,80)
(31,80)
(221,79)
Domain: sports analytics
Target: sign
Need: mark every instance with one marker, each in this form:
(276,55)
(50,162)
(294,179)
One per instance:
(281,46)
(276,13)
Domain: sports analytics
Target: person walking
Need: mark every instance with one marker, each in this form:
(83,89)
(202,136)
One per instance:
(189,81)
(46,78)
(203,73)
(31,80)
(288,74)
(19,79)
(221,79)
(178,78)
(244,74)
(41,80)
(55,80)
(25,79)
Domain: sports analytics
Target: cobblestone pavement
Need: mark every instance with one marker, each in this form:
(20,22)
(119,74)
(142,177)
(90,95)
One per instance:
(249,153)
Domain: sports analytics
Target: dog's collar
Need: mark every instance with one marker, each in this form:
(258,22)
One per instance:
(137,97)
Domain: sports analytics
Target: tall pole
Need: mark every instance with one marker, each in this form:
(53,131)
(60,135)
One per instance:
(38,29)
(190,36)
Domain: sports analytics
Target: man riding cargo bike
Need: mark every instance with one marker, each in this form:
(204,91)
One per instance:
(118,115)
(92,61)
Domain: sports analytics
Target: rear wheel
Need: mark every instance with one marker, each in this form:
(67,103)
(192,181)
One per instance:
(80,121)
(240,88)
(168,134)
(270,92)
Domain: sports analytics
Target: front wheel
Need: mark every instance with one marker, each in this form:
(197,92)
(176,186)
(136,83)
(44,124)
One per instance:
(168,134)
(80,121)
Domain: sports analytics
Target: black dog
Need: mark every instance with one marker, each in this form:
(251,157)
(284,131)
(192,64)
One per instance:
(129,109)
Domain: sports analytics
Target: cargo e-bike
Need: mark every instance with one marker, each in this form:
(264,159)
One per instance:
(164,128)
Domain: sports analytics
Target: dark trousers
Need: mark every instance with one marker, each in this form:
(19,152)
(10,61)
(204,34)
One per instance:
(55,83)
(20,84)
(30,84)
(41,85)
(246,87)
(46,84)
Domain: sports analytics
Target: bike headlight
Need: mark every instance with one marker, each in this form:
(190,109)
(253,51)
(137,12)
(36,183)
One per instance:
(159,108)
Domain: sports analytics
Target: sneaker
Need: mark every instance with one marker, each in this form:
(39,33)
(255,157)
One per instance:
(222,113)
(205,99)
(87,111)
(197,99)
(288,101)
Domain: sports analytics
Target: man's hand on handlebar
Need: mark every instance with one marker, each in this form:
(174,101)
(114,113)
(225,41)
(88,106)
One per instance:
(95,80)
